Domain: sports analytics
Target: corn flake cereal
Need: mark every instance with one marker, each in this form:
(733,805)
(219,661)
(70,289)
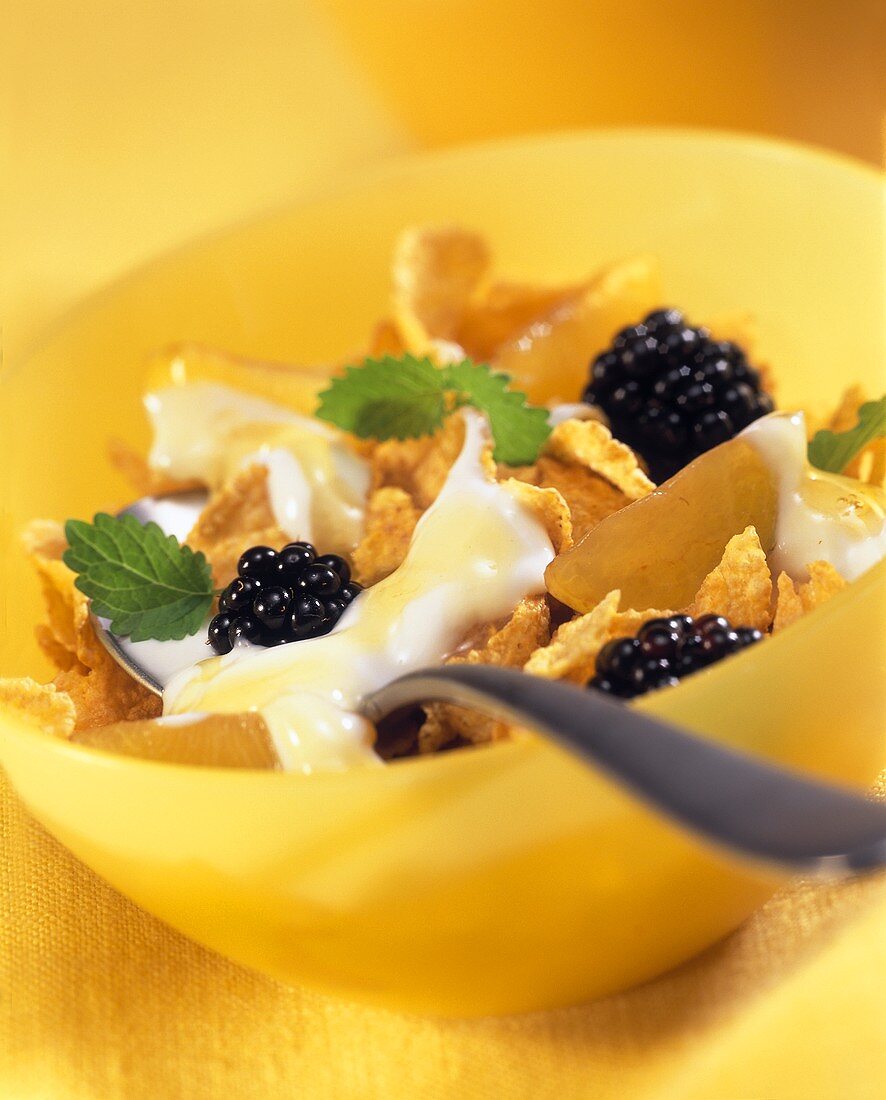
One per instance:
(740,587)
(106,694)
(237,515)
(788,605)
(98,688)
(391,517)
(590,444)
(824,582)
(510,647)
(436,272)
(41,705)
(845,416)
(589,498)
(385,340)
(418,466)
(549,508)
(575,645)
(793,601)
(627,623)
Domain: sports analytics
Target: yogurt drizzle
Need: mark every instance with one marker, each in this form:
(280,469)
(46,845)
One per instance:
(821,516)
(474,555)
(316,484)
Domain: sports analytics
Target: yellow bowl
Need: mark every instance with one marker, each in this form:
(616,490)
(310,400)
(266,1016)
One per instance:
(507,878)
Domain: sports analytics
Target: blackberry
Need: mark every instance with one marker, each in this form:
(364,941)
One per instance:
(292,558)
(337,564)
(259,562)
(672,392)
(282,596)
(663,651)
(245,628)
(350,592)
(239,594)
(322,580)
(271,605)
(218,635)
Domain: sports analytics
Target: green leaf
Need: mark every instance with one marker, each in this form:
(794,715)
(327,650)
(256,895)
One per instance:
(387,399)
(834,451)
(407,397)
(519,430)
(144,581)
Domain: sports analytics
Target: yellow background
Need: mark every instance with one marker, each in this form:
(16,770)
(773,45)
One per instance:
(129,125)
(126,127)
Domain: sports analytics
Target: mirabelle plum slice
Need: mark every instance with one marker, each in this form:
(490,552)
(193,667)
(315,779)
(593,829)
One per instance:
(294,387)
(660,548)
(216,740)
(549,360)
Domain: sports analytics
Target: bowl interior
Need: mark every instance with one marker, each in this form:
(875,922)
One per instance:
(789,235)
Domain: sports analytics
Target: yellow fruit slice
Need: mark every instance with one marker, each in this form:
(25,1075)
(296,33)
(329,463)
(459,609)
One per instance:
(660,548)
(293,387)
(216,740)
(550,358)
(504,313)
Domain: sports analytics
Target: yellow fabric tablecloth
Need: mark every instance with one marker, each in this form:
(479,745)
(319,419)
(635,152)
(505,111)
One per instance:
(125,126)
(99,1000)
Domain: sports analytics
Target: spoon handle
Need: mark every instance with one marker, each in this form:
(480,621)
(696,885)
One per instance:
(754,808)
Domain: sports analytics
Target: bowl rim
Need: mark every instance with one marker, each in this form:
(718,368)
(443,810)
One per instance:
(370,176)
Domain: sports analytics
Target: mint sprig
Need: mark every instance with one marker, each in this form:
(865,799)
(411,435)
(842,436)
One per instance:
(408,397)
(833,451)
(519,429)
(386,399)
(143,580)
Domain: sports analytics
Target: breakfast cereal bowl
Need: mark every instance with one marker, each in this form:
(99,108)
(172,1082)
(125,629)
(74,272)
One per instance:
(491,879)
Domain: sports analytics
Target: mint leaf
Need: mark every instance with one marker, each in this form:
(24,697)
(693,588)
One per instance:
(834,451)
(143,580)
(408,397)
(519,430)
(386,399)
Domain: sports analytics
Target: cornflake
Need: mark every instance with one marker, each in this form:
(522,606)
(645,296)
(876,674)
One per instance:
(793,600)
(575,645)
(98,689)
(237,515)
(510,647)
(436,273)
(740,587)
(590,444)
(391,517)
(41,705)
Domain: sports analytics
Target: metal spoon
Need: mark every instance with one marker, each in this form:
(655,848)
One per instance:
(737,801)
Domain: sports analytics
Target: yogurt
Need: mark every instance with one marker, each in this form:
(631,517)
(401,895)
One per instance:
(317,485)
(820,516)
(474,555)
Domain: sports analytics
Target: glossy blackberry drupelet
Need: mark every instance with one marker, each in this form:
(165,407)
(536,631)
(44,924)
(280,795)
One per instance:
(282,596)
(664,651)
(671,392)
